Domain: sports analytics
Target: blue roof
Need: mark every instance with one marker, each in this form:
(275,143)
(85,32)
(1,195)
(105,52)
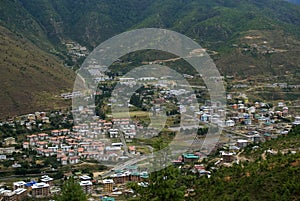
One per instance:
(30,183)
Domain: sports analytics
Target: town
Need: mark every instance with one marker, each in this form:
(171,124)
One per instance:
(39,146)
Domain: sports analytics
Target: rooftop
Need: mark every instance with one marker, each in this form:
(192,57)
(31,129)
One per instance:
(40,185)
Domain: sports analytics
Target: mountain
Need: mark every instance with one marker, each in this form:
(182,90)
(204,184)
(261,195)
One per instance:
(213,24)
(31,79)
(294,1)
(245,37)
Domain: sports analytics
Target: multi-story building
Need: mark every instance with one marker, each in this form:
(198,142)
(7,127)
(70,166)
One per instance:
(87,186)
(40,190)
(19,184)
(46,179)
(16,195)
(108,185)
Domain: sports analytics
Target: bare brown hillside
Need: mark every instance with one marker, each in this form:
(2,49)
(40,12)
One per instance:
(30,78)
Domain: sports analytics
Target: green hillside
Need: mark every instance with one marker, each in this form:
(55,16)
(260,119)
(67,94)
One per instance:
(245,38)
(261,176)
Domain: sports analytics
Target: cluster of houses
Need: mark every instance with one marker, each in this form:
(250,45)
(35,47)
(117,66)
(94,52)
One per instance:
(85,141)
(76,50)
(121,177)
(249,123)
(70,95)
(21,189)
(42,189)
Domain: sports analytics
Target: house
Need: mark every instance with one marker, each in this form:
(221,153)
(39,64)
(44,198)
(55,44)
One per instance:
(228,157)
(26,145)
(108,199)
(120,177)
(7,195)
(85,178)
(46,179)
(64,161)
(132,149)
(230,123)
(187,158)
(297,121)
(74,160)
(8,150)
(43,136)
(242,143)
(144,176)
(46,120)
(40,190)
(9,141)
(55,132)
(87,186)
(16,195)
(20,194)
(19,184)
(2,157)
(267,136)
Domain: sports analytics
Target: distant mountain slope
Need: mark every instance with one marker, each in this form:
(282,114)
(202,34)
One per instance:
(221,26)
(30,78)
(294,1)
(91,22)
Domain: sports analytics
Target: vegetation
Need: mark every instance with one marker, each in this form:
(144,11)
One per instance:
(31,80)
(27,25)
(273,178)
(71,191)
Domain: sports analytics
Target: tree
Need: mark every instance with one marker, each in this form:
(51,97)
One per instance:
(71,191)
(163,185)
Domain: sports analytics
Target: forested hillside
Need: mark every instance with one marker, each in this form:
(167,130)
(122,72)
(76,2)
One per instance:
(264,177)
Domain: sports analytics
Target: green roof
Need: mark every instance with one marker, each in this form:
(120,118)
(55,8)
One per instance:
(144,175)
(108,199)
(132,167)
(119,171)
(135,173)
(190,156)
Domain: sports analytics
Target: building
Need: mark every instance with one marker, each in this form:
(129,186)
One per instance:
(2,157)
(25,145)
(121,177)
(20,194)
(40,190)
(188,158)
(108,199)
(242,143)
(108,185)
(19,184)
(85,178)
(7,150)
(87,186)
(16,195)
(9,141)
(297,121)
(7,195)
(46,179)
(228,157)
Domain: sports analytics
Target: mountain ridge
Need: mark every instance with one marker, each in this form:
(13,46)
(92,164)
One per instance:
(46,25)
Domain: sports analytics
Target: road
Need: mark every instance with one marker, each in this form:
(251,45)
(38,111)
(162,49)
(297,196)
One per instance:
(124,165)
